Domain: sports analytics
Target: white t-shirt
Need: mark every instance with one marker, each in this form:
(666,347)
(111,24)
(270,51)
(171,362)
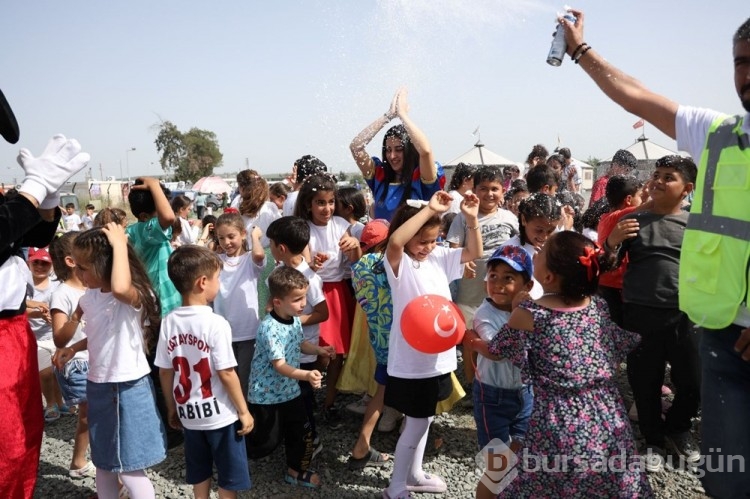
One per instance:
(88,221)
(237,300)
(196,343)
(65,299)
(311,333)
(417,279)
(536,289)
(691,129)
(41,328)
(72,222)
(186,236)
(325,239)
(115,338)
(488,320)
(14,276)
(455,206)
(289,202)
(267,214)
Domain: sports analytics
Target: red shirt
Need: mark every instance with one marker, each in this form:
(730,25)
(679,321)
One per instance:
(598,190)
(613,278)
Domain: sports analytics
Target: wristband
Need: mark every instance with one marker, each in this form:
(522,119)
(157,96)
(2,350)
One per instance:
(578,48)
(583,52)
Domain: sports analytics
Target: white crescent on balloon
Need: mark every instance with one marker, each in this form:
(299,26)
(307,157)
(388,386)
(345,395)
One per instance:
(445,333)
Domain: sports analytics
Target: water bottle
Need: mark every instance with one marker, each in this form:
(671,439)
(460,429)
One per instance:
(559,47)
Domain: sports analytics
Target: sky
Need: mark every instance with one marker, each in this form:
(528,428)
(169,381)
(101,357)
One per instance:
(277,80)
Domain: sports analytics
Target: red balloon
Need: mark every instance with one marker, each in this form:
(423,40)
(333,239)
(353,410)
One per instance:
(432,324)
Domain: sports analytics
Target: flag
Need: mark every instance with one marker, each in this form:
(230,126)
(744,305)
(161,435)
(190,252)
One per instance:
(638,124)
(475,131)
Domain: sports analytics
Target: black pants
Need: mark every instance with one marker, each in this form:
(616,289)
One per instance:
(613,297)
(666,336)
(287,420)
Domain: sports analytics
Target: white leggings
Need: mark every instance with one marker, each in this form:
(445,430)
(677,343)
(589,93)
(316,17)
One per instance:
(138,484)
(407,466)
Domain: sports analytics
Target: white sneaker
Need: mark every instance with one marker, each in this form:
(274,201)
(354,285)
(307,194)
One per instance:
(359,406)
(389,420)
(654,459)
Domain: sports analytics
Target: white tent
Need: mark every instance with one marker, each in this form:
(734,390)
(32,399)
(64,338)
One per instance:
(480,155)
(645,151)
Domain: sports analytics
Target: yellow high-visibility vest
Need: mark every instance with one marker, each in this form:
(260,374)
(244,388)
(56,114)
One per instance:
(716,246)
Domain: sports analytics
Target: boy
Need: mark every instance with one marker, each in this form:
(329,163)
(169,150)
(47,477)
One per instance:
(151,236)
(71,220)
(542,178)
(288,238)
(88,219)
(653,244)
(205,399)
(496,225)
(623,196)
(274,393)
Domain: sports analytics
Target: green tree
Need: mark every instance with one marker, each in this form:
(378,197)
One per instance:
(593,161)
(187,156)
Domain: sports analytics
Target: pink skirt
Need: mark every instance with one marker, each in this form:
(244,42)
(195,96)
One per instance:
(337,330)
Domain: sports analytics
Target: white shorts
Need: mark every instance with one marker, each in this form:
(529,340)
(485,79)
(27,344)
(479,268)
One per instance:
(44,351)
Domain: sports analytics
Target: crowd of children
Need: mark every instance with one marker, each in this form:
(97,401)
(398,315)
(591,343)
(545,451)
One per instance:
(240,324)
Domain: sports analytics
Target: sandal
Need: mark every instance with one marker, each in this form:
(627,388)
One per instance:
(303,479)
(372,458)
(51,413)
(68,411)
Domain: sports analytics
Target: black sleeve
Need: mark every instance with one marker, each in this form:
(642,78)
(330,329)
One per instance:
(20,222)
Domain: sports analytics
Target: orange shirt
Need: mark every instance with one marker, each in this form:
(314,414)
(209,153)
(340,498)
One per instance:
(613,278)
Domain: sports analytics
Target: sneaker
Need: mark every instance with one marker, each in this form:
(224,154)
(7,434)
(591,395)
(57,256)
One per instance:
(684,446)
(318,446)
(332,418)
(389,420)
(360,406)
(654,459)
(89,470)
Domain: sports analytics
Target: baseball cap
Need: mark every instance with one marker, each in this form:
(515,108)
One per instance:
(39,254)
(375,232)
(516,257)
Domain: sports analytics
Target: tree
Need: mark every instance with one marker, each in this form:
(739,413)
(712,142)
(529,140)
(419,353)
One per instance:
(187,156)
(593,161)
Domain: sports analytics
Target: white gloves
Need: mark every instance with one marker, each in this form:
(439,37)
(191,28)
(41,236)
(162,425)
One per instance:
(45,175)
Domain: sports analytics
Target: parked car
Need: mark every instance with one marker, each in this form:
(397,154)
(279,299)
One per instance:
(212,200)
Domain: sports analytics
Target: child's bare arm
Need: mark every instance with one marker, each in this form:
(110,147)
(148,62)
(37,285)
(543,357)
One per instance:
(166,378)
(473,243)
(63,355)
(64,327)
(258,254)
(319,314)
(122,283)
(474,342)
(163,210)
(313,377)
(231,382)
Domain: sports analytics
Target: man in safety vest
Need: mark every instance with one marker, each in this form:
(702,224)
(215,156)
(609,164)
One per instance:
(714,269)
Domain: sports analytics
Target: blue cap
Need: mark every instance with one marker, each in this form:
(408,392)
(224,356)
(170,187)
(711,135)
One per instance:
(515,256)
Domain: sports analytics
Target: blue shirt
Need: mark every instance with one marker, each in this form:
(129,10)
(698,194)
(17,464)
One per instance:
(385,208)
(277,339)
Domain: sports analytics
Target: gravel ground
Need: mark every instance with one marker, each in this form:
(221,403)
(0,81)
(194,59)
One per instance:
(454,462)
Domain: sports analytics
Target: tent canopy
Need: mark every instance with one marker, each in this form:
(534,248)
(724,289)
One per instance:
(480,155)
(644,149)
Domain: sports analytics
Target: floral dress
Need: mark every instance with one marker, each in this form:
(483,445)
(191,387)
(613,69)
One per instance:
(579,442)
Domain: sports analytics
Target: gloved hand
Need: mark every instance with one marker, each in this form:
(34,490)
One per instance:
(51,202)
(61,159)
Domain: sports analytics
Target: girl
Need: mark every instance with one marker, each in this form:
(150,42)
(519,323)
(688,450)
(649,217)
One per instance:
(461,182)
(352,207)
(416,266)
(181,206)
(122,324)
(237,300)
(407,170)
(208,234)
(72,379)
(107,215)
(538,217)
(278,192)
(568,347)
(330,239)
(253,203)
(513,196)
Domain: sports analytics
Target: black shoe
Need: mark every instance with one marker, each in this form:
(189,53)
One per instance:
(332,418)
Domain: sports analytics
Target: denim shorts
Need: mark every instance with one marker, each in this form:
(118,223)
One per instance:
(72,381)
(223,447)
(125,429)
(501,413)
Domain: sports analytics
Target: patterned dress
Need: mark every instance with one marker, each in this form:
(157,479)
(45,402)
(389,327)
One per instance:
(579,442)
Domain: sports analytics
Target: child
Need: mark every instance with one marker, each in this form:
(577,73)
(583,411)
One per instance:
(71,220)
(502,401)
(289,237)
(40,264)
(71,379)
(304,167)
(544,179)
(278,192)
(274,394)
(538,217)
(205,399)
(623,196)
(374,295)
(352,207)
(122,323)
(329,240)
(108,214)
(517,193)
(569,349)
(652,241)
(462,181)
(237,299)
(151,236)
(253,204)
(415,266)
(208,234)
(181,207)
(88,219)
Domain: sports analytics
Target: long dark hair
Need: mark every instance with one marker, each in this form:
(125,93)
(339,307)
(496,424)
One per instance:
(567,258)
(411,163)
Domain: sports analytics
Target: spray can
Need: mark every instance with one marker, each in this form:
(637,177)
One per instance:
(559,47)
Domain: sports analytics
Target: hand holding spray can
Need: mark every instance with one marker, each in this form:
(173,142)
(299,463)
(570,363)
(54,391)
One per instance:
(559,47)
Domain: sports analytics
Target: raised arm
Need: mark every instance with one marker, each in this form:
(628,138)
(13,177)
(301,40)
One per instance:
(427,168)
(623,89)
(358,145)
(122,282)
